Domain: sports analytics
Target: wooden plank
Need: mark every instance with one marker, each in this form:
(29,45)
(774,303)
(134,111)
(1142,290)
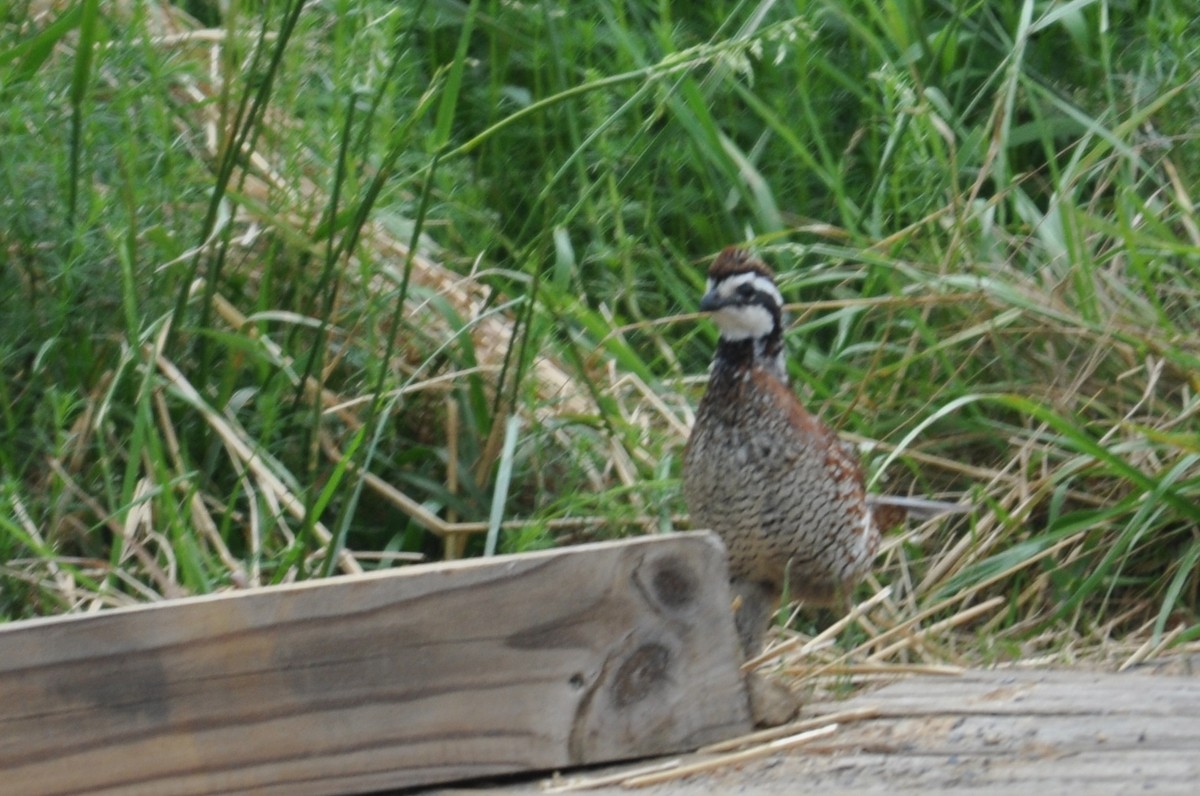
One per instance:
(427,674)
(1003,732)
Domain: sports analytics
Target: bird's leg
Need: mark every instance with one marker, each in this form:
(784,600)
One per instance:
(755,603)
(771,702)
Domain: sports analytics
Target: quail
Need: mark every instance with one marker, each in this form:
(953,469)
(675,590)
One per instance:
(779,487)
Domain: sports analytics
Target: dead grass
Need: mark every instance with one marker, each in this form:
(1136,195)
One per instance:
(1065,465)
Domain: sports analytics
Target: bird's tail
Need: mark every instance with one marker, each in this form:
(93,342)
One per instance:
(917,508)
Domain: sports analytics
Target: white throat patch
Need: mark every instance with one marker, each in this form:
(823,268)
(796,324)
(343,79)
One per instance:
(748,321)
(741,323)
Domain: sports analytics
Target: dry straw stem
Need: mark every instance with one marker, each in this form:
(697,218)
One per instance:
(733,758)
(201,518)
(137,530)
(803,725)
(560,785)
(244,452)
(430,521)
(863,672)
(863,652)
(1149,649)
(73,595)
(807,646)
(63,580)
(912,639)
(679,768)
(295,203)
(343,407)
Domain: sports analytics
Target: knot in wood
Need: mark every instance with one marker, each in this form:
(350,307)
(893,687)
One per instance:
(673,582)
(642,673)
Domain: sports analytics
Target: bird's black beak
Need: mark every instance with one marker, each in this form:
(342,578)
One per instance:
(711,302)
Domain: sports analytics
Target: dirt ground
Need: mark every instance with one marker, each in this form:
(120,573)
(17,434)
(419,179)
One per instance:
(1003,731)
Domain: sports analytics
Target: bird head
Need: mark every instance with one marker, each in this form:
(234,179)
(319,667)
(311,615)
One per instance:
(742,296)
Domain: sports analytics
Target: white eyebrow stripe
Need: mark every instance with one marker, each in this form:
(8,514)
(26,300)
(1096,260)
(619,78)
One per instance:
(760,282)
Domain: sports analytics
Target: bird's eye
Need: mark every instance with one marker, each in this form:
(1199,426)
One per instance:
(746,290)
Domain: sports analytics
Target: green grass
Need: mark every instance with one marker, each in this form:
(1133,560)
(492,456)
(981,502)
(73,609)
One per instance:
(248,265)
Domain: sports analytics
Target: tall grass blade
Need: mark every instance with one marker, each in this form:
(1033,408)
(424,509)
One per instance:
(512,430)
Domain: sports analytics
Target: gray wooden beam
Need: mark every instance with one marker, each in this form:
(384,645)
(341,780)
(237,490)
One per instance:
(426,674)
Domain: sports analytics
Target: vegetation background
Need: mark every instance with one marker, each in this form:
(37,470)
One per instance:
(291,288)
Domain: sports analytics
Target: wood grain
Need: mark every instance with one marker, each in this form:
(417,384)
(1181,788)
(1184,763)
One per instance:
(1003,732)
(422,675)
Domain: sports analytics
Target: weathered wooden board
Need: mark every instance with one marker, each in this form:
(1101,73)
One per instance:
(1003,732)
(427,674)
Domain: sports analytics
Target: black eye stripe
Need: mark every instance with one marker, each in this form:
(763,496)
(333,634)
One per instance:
(745,290)
(747,294)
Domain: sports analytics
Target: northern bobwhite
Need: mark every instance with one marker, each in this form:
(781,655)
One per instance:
(779,487)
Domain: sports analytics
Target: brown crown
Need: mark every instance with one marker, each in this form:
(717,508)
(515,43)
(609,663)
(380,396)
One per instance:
(733,260)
